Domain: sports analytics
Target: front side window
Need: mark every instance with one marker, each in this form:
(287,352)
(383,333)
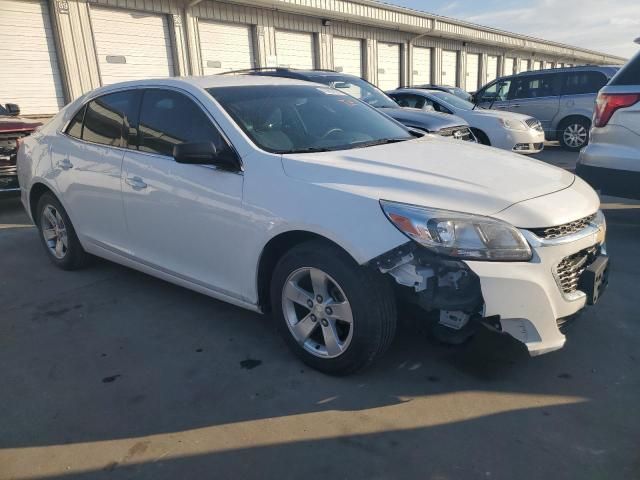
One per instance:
(108,119)
(301,118)
(576,83)
(408,100)
(452,100)
(535,86)
(169,118)
(498,91)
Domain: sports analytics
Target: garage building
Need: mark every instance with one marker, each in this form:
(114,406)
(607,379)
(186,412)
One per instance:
(55,50)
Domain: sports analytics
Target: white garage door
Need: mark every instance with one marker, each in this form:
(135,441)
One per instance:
(492,68)
(295,49)
(524,65)
(473,72)
(131,45)
(548,65)
(449,68)
(509,64)
(29,73)
(421,66)
(537,65)
(225,47)
(388,65)
(347,55)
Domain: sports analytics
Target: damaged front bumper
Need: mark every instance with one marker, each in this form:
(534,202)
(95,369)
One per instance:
(526,300)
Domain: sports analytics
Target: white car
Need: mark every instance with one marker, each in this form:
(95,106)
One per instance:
(293,198)
(505,130)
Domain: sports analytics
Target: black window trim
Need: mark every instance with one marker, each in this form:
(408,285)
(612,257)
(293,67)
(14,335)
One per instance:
(199,104)
(565,75)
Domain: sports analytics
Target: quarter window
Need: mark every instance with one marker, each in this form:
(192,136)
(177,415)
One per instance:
(535,86)
(110,119)
(169,118)
(576,83)
(75,126)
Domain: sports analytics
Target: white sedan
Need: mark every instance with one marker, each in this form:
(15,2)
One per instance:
(505,130)
(294,198)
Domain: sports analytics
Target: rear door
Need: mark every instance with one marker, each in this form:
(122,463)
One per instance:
(579,91)
(537,96)
(87,162)
(183,219)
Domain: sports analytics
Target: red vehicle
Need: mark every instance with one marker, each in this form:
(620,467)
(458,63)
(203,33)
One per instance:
(12,129)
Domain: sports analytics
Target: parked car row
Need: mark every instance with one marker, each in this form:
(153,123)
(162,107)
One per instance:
(325,204)
(12,129)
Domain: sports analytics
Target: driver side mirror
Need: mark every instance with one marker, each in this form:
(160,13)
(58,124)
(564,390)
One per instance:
(13,109)
(205,153)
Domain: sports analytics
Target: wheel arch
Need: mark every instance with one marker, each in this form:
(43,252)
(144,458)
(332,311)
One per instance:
(36,191)
(481,135)
(275,248)
(573,116)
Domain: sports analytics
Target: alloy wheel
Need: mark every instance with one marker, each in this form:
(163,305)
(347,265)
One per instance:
(54,232)
(575,135)
(317,312)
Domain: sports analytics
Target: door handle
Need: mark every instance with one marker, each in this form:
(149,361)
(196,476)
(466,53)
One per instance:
(500,107)
(64,164)
(516,105)
(136,183)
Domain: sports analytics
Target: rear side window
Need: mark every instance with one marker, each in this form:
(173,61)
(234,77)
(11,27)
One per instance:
(535,86)
(630,73)
(576,83)
(168,118)
(109,119)
(75,126)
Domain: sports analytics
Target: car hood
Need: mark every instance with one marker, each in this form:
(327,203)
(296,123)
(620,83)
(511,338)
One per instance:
(434,172)
(498,114)
(431,121)
(17,124)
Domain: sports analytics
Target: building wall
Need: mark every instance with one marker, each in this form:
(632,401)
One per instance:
(368,21)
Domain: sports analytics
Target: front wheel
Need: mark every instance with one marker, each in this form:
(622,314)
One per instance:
(574,134)
(336,316)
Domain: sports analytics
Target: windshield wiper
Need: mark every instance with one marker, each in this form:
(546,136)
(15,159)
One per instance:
(373,143)
(306,150)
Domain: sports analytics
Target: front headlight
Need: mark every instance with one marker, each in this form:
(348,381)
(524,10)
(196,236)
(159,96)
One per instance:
(459,235)
(511,124)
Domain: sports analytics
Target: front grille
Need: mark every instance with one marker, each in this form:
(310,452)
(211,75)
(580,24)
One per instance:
(570,269)
(459,133)
(549,233)
(534,123)
(8,150)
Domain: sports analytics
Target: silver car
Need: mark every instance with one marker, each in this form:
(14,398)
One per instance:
(563,99)
(611,162)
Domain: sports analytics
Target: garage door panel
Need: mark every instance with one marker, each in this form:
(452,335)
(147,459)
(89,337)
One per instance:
(421,66)
(29,72)
(473,72)
(131,45)
(449,68)
(388,65)
(295,49)
(347,55)
(225,47)
(492,68)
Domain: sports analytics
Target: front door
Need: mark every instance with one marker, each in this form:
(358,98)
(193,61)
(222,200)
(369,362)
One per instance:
(183,219)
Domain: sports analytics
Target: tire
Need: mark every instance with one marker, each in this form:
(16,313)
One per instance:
(370,307)
(481,137)
(58,236)
(573,133)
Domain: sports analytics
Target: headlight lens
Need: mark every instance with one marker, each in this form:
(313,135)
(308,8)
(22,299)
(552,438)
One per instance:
(458,235)
(513,124)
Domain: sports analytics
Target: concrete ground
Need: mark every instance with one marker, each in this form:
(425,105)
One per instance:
(108,373)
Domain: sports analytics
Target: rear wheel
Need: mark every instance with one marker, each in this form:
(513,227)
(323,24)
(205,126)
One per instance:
(574,133)
(58,235)
(336,316)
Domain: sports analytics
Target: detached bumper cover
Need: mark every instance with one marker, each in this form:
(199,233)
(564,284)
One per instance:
(527,296)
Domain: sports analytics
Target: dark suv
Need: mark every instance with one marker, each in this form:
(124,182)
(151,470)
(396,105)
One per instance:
(12,129)
(563,99)
(432,122)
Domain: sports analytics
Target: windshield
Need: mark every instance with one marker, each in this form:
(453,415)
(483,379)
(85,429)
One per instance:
(361,89)
(3,111)
(452,100)
(301,118)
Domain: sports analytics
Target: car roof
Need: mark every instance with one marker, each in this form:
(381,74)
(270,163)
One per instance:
(204,82)
(609,69)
